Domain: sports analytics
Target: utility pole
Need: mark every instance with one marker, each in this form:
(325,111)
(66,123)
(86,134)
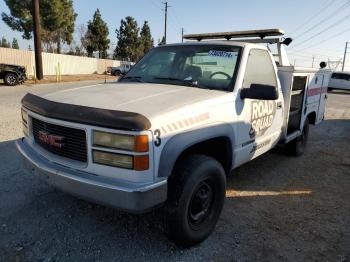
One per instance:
(345,53)
(165,20)
(182,34)
(37,40)
(313,61)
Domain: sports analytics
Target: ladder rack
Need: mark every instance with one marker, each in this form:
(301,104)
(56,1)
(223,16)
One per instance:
(236,34)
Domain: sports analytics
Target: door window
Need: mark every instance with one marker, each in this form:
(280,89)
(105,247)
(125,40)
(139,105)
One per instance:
(259,69)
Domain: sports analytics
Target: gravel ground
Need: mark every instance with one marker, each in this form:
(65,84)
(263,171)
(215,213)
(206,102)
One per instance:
(278,208)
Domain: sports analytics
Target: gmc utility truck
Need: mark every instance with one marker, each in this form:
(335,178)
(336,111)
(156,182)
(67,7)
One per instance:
(169,132)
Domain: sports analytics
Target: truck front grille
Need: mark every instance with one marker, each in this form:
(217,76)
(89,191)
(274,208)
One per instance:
(60,140)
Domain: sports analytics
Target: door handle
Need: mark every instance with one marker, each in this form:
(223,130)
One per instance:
(279,105)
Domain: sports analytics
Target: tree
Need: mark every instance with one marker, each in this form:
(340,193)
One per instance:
(83,39)
(15,44)
(96,37)
(128,47)
(57,20)
(161,42)
(146,39)
(5,43)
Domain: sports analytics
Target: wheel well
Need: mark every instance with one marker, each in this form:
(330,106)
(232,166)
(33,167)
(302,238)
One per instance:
(6,72)
(219,148)
(312,118)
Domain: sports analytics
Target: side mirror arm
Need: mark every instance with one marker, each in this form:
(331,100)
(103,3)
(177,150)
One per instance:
(244,93)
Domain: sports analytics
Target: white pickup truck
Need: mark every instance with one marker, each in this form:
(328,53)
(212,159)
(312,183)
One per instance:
(169,132)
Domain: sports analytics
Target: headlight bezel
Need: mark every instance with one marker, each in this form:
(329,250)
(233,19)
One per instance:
(97,156)
(25,117)
(136,143)
(25,121)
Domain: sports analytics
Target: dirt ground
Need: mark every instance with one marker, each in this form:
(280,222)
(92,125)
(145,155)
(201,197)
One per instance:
(278,208)
(68,78)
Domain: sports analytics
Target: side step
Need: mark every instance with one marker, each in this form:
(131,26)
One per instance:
(292,136)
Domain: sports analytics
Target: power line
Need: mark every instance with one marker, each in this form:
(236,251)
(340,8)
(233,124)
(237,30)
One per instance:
(324,30)
(340,9)
(155,4)
(324,40)
(313,17)
(176,17)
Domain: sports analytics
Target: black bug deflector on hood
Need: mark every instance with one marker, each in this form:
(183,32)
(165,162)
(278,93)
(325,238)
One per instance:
(86,115)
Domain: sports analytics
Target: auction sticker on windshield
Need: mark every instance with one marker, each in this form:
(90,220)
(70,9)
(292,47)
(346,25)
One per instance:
(220,54)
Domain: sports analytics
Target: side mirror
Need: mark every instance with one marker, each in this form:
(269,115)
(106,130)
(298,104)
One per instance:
(260,92)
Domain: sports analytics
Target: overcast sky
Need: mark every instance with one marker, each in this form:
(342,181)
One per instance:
(320,27)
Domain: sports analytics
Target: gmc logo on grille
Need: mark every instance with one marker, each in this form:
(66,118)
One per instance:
(52,140)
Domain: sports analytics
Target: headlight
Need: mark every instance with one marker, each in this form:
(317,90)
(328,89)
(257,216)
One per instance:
(123,142)
(111,159)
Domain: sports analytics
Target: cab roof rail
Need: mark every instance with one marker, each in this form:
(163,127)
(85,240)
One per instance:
(236,34)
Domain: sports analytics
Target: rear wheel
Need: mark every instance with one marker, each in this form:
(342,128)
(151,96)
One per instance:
(298,145)
(11,79)
(196,196)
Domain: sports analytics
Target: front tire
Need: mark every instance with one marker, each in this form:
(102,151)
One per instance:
(298,145)
(11,79)
(197,190)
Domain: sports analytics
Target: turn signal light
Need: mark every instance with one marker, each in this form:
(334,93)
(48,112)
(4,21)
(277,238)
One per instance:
(141,143)
(141,163)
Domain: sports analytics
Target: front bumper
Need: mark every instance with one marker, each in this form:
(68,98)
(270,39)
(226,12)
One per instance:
(22,77)
(125,196)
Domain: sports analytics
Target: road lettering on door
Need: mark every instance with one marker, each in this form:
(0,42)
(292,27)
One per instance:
(262,115)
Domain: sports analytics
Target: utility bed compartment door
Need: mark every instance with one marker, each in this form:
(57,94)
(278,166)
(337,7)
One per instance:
(317,94)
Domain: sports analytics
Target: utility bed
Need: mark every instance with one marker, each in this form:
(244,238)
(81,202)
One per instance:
(304,91)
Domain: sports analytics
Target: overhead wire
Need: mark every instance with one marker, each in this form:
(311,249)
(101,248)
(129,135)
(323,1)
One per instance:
(311,18)
(338,34)
(341,20)
(324,20)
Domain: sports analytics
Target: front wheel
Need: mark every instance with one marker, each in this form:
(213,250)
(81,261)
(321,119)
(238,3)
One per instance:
(196,196)
(11,79)
(298,145)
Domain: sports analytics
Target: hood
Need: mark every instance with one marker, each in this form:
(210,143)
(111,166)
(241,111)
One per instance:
(147,99)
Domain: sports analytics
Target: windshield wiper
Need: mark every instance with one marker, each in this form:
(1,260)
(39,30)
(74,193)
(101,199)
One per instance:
(184,81)
(137,78)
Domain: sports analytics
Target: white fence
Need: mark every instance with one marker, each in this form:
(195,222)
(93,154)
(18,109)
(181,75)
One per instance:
(67,64)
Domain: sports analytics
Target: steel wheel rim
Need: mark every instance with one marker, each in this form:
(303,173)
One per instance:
(201,204)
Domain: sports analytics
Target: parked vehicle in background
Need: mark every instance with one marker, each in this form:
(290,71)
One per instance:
(12,74)
(120,70)
(340,80)
(171,130)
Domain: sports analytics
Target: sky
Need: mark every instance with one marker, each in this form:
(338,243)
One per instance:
(320,28)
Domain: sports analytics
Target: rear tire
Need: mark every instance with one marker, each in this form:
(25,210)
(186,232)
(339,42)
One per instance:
(196,195)
(11,79)
(298,145)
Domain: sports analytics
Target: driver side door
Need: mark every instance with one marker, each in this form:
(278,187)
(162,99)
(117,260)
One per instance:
(259,121)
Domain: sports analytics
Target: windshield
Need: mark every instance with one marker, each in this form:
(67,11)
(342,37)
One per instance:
(204,66)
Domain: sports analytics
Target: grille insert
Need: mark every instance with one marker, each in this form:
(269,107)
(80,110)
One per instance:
(60,140)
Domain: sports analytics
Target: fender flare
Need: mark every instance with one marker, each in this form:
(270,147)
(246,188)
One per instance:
(180,142)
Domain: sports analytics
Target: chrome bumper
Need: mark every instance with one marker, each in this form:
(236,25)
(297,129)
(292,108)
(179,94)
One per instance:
(106,191)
